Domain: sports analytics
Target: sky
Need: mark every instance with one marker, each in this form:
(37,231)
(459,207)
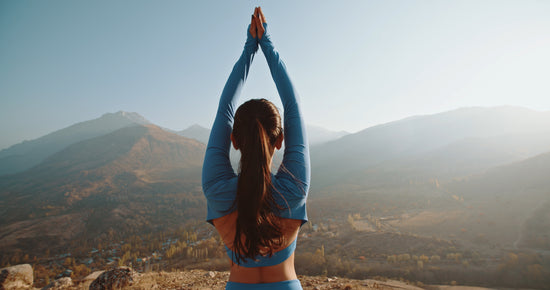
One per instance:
(355,64)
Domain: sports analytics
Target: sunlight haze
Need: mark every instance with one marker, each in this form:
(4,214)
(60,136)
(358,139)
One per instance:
(355,63)
(422,161)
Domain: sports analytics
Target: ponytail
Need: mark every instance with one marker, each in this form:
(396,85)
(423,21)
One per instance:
(258,231)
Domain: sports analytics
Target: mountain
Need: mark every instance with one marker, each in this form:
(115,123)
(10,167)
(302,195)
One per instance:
(27,154)
(475,155)
(135,179)
(469,137)
(514,196)
(196,132)
(318,135)
(535,231)
(518,180)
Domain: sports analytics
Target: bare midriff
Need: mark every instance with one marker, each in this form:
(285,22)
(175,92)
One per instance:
(269,274)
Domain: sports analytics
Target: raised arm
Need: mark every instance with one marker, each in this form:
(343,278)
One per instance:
(216,166)
(295,166)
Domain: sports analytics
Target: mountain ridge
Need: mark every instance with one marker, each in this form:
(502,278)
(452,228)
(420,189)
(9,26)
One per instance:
(26,154)
(401,205)
(197,132)
(96,180)
(414,136)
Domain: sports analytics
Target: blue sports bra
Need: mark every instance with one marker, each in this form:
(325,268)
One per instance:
(264,261)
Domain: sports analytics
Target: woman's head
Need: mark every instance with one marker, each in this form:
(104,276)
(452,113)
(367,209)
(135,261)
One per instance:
(257,131)
(254,117)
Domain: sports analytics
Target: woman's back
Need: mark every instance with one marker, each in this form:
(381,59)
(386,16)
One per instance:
(268,274)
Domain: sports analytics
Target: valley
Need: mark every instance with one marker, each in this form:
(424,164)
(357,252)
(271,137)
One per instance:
(472,208)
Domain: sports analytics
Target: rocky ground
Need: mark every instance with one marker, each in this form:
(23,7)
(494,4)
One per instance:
(200,279)
(125,278)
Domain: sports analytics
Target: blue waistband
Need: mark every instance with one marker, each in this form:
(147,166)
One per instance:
(289,284)
(264,261)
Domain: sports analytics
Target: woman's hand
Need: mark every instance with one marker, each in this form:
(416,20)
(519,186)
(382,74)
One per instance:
(253,30)
(260,20)
(257,29)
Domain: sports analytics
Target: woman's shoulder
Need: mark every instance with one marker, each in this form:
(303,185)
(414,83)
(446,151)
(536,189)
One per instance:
(288,187)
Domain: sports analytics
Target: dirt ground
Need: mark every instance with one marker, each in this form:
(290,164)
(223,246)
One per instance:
(212,280)
(201,279)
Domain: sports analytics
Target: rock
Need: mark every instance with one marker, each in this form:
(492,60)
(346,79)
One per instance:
(210,274)
(93,276)
(87,281)
(114,279)
(61,283)
(16,277)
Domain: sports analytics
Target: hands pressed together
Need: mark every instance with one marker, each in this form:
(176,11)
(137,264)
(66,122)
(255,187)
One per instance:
(257,28)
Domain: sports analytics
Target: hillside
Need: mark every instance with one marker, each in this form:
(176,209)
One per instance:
(470,208)
(196,132)
(449,142)
(515,196)
(135,179)
(513,180)
(316,135)
(319,135)
(27,154)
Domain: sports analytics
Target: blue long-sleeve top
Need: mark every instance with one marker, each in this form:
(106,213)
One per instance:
(291,183)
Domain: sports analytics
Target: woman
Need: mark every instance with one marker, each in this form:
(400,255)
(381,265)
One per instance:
(258,214)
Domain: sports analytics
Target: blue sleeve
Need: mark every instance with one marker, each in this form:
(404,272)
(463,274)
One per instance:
(218,178)
(293,177)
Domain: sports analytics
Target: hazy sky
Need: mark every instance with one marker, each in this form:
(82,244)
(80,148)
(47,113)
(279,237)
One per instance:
(354,63)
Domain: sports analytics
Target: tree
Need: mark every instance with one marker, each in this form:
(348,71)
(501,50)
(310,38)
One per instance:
(424,258)
(126,257)
(68,262)
(351,221)
(81,270)
(535,273)
(420,264)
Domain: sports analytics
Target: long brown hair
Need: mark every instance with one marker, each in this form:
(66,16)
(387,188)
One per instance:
(255,131)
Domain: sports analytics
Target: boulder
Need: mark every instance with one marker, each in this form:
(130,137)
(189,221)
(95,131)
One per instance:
(92,276)
(114,279)
(59,284)
(16,277)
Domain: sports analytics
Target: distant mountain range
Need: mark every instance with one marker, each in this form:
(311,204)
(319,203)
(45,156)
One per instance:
(117,171)
(492,163)
(196,132)
(516,196)
(127,180)
(316,135)
(27,154)
(319,135)
(444,145)
(122,173)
